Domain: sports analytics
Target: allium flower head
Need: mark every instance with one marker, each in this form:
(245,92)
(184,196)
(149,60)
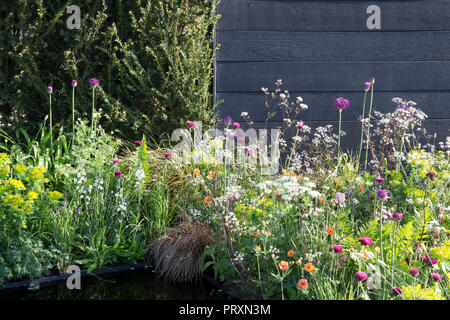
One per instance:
(396,291)
(50,89)
(93,82)
(436,276)
(341,104)
(372,80)
(228,119)
(337,248)
(382,194)
(397,216)
(361,275)
(402,106)
(74,83)
(365,241)
(431,175)
(367,86)
(414,272)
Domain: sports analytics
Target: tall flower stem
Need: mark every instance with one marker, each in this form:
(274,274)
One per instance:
(362,126)
(368,126)
(51,127)
(339,137)
(73,113)
(93,110)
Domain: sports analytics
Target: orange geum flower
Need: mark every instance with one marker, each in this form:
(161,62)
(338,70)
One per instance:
(257,233)
(299,261)
(309,267)
(277,193)
(210,175)
(336,181)
(302,284)
(290,253)
(196,172)
(207,200)
(330,231)
(283,170)
(284,265)
(321,200)
(291,173)
(361,188)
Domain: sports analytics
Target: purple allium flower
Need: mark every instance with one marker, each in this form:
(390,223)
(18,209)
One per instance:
(167,155)
(337,248)
(397,216)
(115,161)
(402,106)
(190,123)
(138,143)
(341,104)
(50,89)
(361,275)
(372,80)
(382,194)
(228,119)
(366,241)
(74,83)
(436,276)
(414,272)
(380,180)
(367,86)
(396,291)
(339,198)
(236,125)
(431,175)
(93,82)
(118,173)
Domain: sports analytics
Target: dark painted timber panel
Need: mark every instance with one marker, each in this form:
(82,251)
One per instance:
(334,76)
(298,15)
(323,50)
(270,46)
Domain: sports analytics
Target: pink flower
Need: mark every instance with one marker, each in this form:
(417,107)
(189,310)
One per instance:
(337,248)
(74,83)
(396,291)
(380,180)
(361,275)
(367,86)
(414,272)
(300,124)
(366,241)
(115,160)
(93,82)
(341,104)
(167,155)
(190,123)
(236,125)
(49,89)
(138,143)
(118,173)
(436,276)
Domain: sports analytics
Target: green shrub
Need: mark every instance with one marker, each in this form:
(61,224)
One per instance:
(153,60)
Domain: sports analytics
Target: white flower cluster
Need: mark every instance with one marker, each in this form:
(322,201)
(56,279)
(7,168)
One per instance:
(140,177)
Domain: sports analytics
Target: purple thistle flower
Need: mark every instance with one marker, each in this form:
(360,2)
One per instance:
(115,161)
(337,248)
(436,276)
(138,143)
(366,241)
(431,175)
(74,83)
(341,104)
(93,82)
(50,89)
(414,272)
(118,173)
(380,180)
(382,194)
(396,291)
(397,216)
(361,275)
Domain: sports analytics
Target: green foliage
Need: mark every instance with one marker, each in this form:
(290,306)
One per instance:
(153,60)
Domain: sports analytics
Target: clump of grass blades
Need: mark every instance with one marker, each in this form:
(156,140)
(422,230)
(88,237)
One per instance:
(177,255)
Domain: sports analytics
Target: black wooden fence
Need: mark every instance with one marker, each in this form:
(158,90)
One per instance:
(323,50)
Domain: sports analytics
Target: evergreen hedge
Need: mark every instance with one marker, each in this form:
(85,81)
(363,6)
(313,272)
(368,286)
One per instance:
(153,59)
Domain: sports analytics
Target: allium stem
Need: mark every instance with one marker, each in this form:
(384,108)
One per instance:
(93,103)
(73,113)
(362,126)
(51,127)
(368,126)
(339,136)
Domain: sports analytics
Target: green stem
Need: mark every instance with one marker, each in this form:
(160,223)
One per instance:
(362,126)
(339,137)
(51,129)
(73,114)
(368,127)
(93,103)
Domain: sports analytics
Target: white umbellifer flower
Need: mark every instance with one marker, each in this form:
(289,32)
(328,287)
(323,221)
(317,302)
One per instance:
(244,114)
(314,194)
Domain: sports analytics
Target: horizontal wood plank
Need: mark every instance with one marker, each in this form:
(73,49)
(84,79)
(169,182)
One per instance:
(270,46)
(346,76)
(320,104)
(298,15)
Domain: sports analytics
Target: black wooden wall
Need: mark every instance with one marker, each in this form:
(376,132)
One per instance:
(323,50)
